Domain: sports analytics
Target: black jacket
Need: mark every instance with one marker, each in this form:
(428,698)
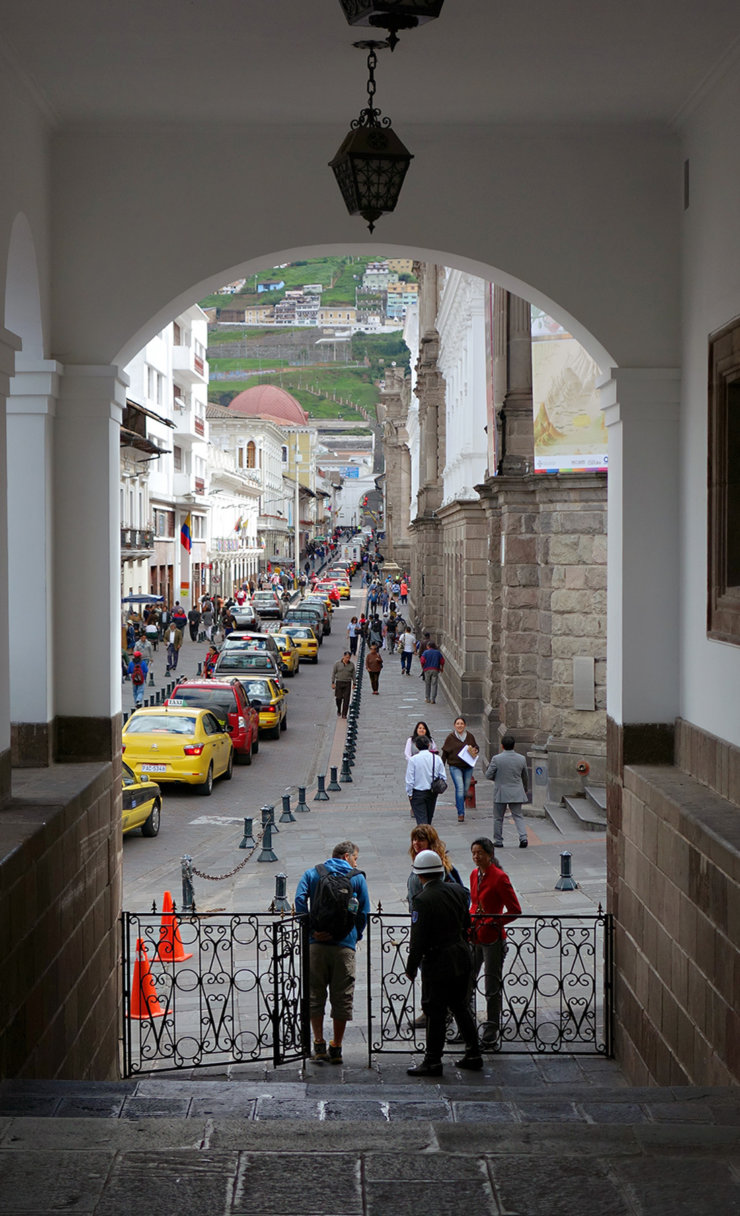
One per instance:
(439,929)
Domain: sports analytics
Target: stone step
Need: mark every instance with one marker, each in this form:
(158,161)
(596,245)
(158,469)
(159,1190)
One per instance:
(585,814)
(560,817)
(597,795)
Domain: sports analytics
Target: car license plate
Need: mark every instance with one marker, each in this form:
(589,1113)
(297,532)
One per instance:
(154,768)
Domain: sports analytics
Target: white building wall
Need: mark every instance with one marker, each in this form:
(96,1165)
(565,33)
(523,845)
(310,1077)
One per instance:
(411,338)
(461,327)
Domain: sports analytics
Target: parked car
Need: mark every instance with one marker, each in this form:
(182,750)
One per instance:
(246,616)
(175,744)
(228,701)
(142,803)
(306,641)
(267,604)
(242,639)
(270,701)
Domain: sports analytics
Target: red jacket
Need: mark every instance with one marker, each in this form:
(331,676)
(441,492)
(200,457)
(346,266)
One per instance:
(491,892)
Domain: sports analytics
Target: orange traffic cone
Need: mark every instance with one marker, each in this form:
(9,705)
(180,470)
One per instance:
(144,1000)
(170,948)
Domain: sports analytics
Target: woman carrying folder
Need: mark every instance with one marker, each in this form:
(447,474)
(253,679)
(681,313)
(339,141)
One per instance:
(460,752)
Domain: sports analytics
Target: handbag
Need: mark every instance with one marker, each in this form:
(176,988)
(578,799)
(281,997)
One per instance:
(439,785)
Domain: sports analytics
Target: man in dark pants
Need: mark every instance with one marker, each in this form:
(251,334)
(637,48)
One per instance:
(440,921)
(342,682)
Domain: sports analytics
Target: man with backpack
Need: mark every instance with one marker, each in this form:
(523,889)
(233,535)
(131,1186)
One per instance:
(335,899)
(137,670)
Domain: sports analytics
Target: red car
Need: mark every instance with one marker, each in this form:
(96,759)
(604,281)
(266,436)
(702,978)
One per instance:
(228,701)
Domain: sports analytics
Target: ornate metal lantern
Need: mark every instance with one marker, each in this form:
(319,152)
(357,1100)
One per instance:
(391,15)
(371,164)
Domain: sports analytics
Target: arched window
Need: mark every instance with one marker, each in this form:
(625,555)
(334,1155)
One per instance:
(251,455)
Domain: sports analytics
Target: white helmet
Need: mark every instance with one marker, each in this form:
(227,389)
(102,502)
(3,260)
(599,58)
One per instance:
(428,862)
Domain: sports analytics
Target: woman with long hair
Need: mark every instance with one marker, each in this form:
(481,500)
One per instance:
(461,773)
(424,836)
(491,895)
(421,730)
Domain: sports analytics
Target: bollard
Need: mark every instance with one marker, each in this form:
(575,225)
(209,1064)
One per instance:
(566,882)
(268,816)
(287,815)
(345,774)
(333,784)
(151,677)
(199,672)
(268,853)
(188,891)
(281,903)
(302,807)
(321,794)
(248,840)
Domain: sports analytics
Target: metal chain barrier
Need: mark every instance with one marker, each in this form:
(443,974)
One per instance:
(231,873)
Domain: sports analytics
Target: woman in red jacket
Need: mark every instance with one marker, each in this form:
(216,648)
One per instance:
(491,895)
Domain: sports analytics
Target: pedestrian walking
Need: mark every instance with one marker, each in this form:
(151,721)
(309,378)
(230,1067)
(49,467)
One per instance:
(404,592)
(334,897)
(210,661)
(207,617)
(137,670)
(374,666)
(461,773)
(491,895)
(342,682)
(432,663)
(508,771)
(194,619)
(440,922)
(420,773)
(391,628)
(173,641)
(420,731)
(353,633)
(375,631)
(407,646)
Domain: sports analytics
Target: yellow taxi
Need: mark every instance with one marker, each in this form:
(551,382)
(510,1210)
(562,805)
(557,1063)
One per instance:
(319,599)
(342,582)
(289,656)
(306,642)
(142,803)
(178,743)
(273,707)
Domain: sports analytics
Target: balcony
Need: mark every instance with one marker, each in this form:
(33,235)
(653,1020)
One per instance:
(189,364)
(136,543)
(189,421)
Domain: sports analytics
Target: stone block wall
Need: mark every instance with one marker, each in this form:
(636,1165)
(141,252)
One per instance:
(60,899)
(465,608)
(674,875)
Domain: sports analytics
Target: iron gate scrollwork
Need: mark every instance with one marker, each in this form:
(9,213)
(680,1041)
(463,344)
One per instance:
(210,988)
(556,992)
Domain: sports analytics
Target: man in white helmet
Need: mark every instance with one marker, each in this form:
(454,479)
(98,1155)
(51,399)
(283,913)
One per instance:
(440,921)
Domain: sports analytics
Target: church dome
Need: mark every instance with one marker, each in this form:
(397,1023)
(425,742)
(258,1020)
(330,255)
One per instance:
(269,401)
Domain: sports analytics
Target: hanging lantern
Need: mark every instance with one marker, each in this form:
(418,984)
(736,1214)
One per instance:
(371,164)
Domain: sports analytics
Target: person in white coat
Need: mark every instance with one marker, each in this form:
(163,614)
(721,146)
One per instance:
(508,771)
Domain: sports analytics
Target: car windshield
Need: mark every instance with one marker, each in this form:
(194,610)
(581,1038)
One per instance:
(222,700)
(258,690)
(241,660)
(266,596)
(300,632)
(168,724)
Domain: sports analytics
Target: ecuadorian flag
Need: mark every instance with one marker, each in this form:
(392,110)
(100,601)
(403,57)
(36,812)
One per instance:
(185,539)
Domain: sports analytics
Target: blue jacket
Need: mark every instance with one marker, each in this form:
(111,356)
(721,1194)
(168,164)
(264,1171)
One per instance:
(307,886)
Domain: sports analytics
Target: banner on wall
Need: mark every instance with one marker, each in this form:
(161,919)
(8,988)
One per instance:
(569,431)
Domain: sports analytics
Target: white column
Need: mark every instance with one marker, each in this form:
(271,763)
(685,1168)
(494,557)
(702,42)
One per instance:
(9,344)
(641,411)
(31,413)
(87,542)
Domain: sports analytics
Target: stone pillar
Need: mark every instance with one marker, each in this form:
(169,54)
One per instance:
(517,423)
(31,413)
(392,410)
(464,633)
(87,562)
(9,344)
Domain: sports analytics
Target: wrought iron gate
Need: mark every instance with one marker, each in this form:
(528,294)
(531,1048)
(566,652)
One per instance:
(211,988)
(556,995)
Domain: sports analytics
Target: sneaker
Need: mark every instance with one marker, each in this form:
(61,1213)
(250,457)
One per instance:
(320,1053)
(498,844)
(523,842)
(335,1054)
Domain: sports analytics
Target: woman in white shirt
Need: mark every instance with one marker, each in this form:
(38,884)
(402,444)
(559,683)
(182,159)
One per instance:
(420,730)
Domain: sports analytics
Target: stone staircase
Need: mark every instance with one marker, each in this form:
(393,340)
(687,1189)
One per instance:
(366,1142)
(587,813)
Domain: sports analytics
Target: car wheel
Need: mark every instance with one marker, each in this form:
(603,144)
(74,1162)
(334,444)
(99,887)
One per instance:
(206,787)
(256,743)
(151,827)
(315,659)
(230,767)
(275,732)
(246,757)
(284,723)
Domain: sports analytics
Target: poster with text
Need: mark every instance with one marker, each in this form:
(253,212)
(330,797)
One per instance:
(569,431)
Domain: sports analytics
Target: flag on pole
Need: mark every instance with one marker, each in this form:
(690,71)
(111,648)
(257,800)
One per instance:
(238,525)
(185,539)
